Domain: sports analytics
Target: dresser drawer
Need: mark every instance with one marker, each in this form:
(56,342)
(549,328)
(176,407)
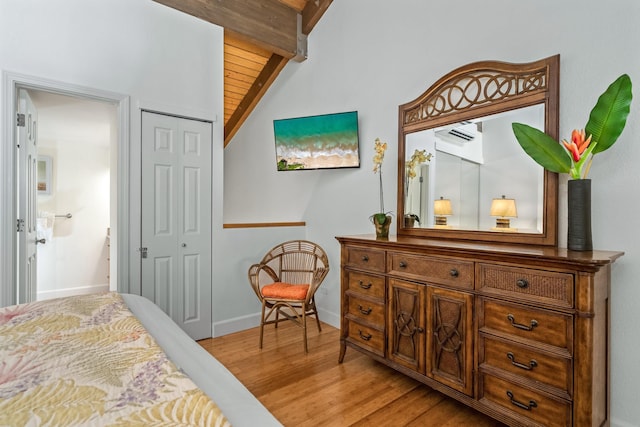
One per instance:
(366,284)
(526,284)
(366,259)
(541,368)
(367,311)
(366,337)
(540,408)
(541,326)
(442,271)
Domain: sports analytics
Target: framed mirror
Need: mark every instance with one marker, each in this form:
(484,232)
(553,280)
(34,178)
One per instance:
(44,165)
(477,183)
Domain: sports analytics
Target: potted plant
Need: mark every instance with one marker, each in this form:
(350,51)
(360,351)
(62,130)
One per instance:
(418,157)
(606,122)
(381,220)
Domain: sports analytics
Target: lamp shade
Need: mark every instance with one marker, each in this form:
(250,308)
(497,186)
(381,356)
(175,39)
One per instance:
(442,207)
(504,207)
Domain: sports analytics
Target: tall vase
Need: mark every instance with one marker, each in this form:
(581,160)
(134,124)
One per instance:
(382,223)
(579,210)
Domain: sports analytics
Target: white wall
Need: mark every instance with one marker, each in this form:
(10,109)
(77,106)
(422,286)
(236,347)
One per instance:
(373,55)
(80,187)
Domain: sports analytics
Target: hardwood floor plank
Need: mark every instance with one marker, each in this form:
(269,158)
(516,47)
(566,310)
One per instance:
(349,399)
(405,409)
(315,390)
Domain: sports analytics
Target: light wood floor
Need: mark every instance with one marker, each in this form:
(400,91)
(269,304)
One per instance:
(315,390)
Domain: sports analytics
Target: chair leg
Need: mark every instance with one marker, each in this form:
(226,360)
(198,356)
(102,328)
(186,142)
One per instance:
(304,328)
(262,323)
(315,310)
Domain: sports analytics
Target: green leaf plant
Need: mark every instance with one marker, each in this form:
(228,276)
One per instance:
(606,122)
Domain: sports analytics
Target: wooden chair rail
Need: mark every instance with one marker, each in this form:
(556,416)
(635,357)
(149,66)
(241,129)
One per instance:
(265,224)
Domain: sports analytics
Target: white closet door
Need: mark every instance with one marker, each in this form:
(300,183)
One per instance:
(176,219)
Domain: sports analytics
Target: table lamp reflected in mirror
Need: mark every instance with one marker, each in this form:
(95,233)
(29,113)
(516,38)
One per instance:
(442,209)
(503,209)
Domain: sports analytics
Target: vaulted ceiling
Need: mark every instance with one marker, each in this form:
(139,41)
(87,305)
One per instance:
(260,37)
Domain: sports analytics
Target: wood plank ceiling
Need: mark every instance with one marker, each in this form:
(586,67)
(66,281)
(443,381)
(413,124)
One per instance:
(260,37)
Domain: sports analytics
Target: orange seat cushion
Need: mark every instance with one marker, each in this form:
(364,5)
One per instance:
(280,290)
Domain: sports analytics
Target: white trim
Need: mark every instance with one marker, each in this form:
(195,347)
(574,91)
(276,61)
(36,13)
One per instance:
(235,324)
(249,321)
(71,291)
(615,422)
(329,318)
(8,193)
(177,111)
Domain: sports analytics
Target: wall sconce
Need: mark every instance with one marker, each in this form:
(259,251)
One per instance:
(441,209)
(503,209)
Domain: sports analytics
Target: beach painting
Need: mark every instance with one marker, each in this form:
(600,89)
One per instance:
(317,142)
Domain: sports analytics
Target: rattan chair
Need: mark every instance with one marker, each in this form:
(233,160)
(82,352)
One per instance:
(286,280)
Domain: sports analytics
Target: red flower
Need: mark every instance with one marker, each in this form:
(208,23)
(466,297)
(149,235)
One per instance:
(578,144)
(578,138)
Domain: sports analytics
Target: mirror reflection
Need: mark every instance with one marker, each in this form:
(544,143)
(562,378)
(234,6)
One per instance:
(477,177)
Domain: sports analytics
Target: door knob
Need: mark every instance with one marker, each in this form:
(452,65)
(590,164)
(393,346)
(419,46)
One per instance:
(41,241)
(184,245)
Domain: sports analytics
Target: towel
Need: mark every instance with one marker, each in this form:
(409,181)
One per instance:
(44,226)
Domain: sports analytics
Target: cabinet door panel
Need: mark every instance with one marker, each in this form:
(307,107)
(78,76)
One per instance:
(407,324)
(450,338)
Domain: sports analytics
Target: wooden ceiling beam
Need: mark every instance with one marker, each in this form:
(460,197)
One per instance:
(269,24)
(312,13)
(268,74)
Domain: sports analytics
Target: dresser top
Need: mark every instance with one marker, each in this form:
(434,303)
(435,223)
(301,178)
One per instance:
(497,252)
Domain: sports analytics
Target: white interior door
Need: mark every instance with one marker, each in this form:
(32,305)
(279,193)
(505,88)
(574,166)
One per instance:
(176,219)
(27,132)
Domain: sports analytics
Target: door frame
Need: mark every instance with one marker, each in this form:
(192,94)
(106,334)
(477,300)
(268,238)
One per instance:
(11,82)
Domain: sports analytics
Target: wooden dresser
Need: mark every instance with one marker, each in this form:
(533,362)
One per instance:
(518,332)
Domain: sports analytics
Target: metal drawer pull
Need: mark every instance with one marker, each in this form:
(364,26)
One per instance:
(363,286)
(365,258)
(454,272)
(366,337)
(363,311)
(522,283)
(534,323)
(532,364)
(403,264)
(532,403)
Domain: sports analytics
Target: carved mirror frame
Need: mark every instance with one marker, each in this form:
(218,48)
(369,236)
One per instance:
(477,90)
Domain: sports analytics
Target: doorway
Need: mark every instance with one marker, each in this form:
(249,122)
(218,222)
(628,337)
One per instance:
(9,189)
(77,140)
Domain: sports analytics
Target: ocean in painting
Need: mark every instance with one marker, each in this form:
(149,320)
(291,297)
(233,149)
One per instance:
(317,142)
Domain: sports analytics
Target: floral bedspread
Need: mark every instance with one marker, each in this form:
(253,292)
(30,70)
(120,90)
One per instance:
(87,360)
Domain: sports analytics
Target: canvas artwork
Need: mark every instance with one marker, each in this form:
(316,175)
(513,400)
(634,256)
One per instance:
(317,142)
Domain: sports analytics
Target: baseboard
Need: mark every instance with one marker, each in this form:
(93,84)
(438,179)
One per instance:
(242,323)
(619,423)
(67,292)
(236,324)
(329,318)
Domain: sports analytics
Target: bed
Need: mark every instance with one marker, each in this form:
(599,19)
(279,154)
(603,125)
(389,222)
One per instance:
(113,359)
